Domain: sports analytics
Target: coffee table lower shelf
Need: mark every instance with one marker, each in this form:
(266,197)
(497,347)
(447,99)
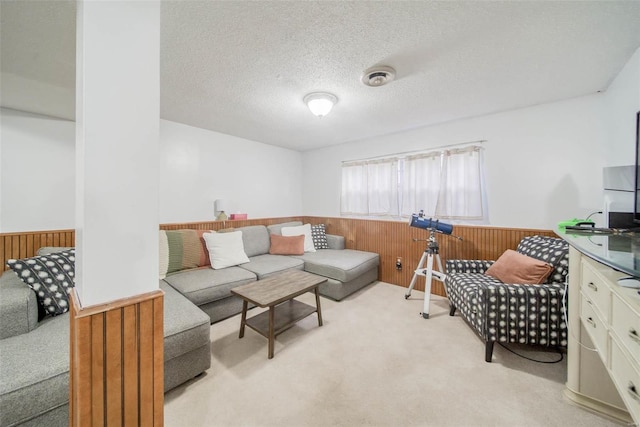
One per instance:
(285,316)
(278,292)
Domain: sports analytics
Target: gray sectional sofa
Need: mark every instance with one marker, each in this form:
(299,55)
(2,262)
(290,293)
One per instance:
(347,271)
(34,352)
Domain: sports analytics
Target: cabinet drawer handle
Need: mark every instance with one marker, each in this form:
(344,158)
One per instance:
(591,321)
(592,286)
(634,335)
(633,392)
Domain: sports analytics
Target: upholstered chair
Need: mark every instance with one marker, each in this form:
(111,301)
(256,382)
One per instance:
(513,312)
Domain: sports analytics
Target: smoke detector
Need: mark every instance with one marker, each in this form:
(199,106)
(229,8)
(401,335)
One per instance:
(378,76)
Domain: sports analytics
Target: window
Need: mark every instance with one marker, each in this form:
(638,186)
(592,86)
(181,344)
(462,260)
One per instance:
(461,192)
(445,184)
(421,183)
(370,188)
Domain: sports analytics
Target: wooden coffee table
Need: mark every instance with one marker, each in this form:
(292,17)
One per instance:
(278,292)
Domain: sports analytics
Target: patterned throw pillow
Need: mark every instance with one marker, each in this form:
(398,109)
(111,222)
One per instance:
(182,250)
(50,276)
(319,236)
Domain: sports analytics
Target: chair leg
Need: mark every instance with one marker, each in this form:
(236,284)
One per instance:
(488,351)
(452,309)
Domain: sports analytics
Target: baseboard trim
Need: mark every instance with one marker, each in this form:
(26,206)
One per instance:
(598,407)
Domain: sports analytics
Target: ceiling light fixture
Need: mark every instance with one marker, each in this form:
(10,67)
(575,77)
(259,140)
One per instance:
(320,103)
(378,76)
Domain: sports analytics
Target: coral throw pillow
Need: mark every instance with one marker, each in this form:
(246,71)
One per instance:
(513,267)
(301,230)
(287,245)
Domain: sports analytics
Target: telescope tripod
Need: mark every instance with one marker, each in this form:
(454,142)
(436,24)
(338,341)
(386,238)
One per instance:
(429,254)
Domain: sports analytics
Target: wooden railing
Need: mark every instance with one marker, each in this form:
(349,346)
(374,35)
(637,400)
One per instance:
(390,239)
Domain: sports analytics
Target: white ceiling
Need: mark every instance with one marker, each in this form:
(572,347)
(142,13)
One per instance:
(243,67)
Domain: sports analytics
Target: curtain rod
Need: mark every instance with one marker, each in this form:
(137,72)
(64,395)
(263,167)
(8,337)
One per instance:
(406,153)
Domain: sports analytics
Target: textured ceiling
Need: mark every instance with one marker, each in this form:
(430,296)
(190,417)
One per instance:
(242,68)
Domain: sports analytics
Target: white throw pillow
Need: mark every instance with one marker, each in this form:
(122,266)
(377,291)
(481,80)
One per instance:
(225,249)
(301,230)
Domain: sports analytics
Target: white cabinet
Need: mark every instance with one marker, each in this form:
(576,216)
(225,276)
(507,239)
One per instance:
(604,340)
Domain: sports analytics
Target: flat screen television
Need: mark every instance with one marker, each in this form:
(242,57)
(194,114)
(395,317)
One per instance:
(636,202)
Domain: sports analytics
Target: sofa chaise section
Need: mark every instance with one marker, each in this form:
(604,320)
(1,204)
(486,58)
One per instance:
(346,270)
(187,347)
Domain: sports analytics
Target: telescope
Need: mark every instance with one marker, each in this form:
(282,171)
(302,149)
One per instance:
(419,221)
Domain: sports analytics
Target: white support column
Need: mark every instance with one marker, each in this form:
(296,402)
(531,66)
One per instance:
(117,134)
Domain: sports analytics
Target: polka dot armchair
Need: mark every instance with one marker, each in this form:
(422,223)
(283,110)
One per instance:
(513,312)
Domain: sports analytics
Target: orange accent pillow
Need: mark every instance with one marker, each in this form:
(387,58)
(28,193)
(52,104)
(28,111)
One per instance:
(287,245)
(514,267)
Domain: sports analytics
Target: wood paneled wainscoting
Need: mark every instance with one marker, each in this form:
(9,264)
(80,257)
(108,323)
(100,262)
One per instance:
(393,239)
(236,223)
(25,244)
(116,373)
(390,239)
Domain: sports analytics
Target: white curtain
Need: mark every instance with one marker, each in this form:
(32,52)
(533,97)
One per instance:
(444,184)
(354,197)
(421,183)
(461,185)
(370,188)
(383,187)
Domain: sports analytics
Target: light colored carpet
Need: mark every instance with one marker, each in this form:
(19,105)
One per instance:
(375,362)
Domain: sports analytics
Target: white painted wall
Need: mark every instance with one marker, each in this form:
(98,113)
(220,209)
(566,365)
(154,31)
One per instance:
(199,166)
(622,102)
(196,166)
(544,163)
(37,170)
(117,134)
